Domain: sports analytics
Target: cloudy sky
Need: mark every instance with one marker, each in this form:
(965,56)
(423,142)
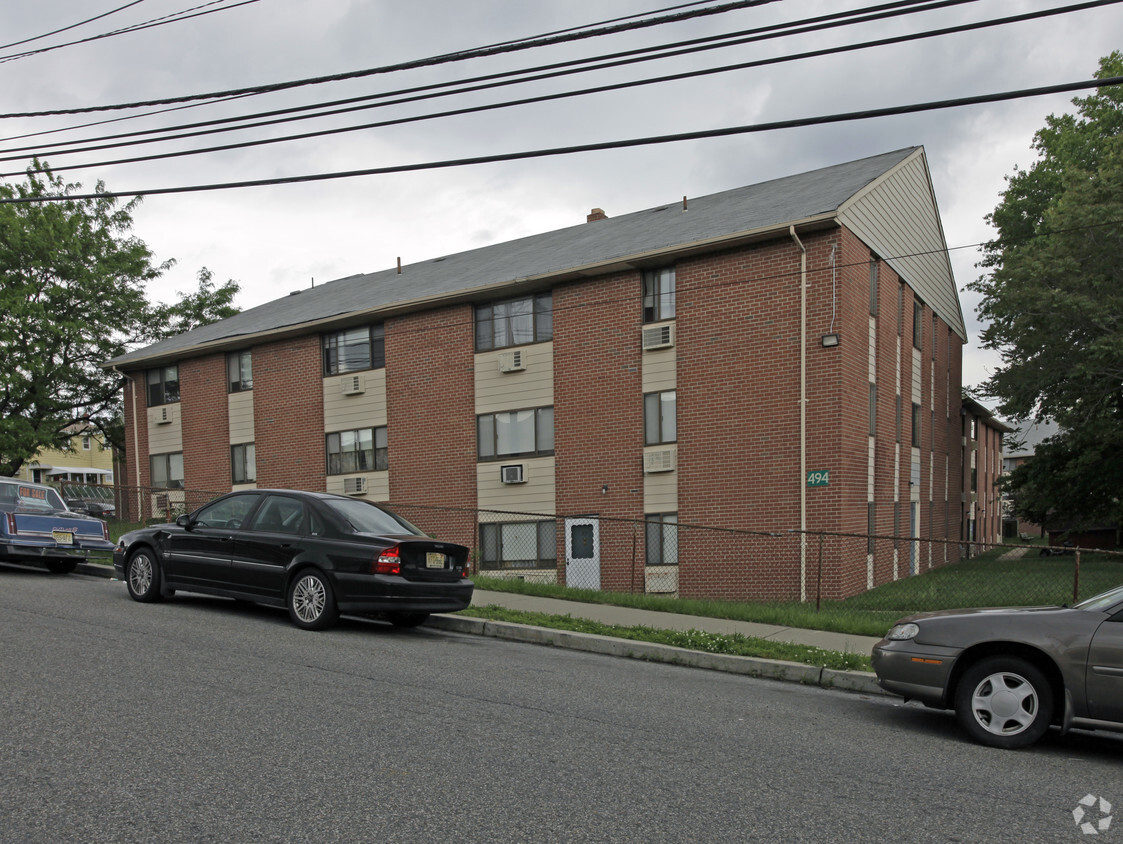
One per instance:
(280,238)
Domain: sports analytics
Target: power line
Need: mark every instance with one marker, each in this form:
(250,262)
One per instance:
(821,120)
(71,26)
(416,63)
(549,71)
(530,100)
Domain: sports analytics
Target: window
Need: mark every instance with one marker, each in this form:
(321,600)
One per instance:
(873,285)
(239,371)
(873,409)
(515,322)
(661,539)
(87,442)
(916,425)
(659,295)
(167,470)
(363,450)
(163,385)
(516,433)
(918,324)
(227,512)
(900,308)
(243,463)
(279,514)
(354,349)
(660,418)
(516,545)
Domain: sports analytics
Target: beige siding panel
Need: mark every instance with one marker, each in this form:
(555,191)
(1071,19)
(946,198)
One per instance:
(660,492)
(537,495)
(240,487)
(917,364)
(659,369)
(531,387)
(240,406)
(365,410)
(378,485)
(660,579)
(898,218)
(873,349)
(168,437)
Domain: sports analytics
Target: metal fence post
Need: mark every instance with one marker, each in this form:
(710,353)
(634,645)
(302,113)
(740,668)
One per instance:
(1076,578)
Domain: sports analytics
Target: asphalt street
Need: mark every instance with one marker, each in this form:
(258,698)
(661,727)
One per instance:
(199,720)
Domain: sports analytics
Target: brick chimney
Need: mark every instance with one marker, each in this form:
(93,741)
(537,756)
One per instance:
(596,214)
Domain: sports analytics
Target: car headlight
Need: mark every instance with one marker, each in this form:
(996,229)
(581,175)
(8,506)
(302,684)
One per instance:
(901,632)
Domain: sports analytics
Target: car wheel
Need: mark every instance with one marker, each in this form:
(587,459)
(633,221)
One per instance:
(61,566)
(311,602)
(408,619)
(143,578)
(1004,701)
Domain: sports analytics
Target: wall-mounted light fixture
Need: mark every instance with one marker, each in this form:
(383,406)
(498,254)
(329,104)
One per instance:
(604,490)
(831,340)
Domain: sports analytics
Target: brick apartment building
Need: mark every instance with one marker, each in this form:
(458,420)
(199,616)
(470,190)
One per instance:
(983,464)
(778,357)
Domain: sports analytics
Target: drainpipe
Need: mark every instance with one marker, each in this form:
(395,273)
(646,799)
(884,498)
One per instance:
(136,441)
(802,415)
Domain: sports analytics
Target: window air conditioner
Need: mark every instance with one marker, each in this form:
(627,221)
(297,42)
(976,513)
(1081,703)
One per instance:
(659,336)
(511,362)
(355,486)
(512,474)
(352,385)
(164,417)
(662,460)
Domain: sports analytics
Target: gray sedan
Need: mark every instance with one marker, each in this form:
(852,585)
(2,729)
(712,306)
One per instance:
(1011,673)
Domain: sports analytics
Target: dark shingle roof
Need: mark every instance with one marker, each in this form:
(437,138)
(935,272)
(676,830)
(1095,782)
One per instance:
(756,207)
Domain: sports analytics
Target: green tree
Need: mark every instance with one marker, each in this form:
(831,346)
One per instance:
(73,295)
(1053,306)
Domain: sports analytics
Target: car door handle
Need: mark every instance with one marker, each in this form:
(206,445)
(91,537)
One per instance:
(286,545)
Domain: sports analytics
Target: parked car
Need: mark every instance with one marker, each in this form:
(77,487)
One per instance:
(315,553)
(1011,673)
(36,526)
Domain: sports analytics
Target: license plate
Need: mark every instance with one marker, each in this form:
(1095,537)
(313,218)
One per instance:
(434,560)
(62,537)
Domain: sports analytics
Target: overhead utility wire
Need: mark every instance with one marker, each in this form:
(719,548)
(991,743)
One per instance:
(821,120)
(175,17)
(530,100)
(798,27)
(416,63)
(71,26)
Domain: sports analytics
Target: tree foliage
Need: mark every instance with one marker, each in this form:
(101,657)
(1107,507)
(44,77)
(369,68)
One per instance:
(73,295)
(1053,306)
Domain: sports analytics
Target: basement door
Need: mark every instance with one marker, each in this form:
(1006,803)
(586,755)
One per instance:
(582,553)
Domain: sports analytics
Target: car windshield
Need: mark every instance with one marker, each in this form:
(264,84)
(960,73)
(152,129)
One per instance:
(365,517)
(1103,601)
(26,495)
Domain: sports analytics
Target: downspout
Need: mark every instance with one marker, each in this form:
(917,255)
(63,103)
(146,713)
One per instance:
(136,441)
(802,415)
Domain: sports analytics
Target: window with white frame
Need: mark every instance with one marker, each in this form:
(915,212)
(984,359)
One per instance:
(660,424)
(515,322)
(515,433)
(166,470)
(361,450)
(354,349)
(243,463)
(239,371)
(659,294)
(661,539)
(518,545)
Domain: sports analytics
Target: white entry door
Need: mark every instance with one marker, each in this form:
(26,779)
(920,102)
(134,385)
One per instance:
(582,553)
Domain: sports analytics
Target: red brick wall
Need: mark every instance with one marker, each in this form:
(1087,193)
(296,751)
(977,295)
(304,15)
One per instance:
(598,418)
(288,399)
(431,419)
(206,440)
(136,444)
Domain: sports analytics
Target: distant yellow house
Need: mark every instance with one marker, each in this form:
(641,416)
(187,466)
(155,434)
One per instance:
(90,462)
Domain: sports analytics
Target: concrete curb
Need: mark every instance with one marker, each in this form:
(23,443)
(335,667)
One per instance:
(792,672)
(769,669)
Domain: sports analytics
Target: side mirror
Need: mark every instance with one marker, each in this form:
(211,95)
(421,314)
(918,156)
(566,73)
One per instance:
(184,521)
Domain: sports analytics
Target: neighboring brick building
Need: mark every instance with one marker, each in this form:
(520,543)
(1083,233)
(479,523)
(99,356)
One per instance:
(983,511)
(780,357)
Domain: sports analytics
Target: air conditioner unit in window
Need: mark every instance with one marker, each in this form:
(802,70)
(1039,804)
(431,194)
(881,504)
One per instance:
(352,385)
(662,460)
(165,416)
(355,486)
(512,474)
(512,362)
(659,336)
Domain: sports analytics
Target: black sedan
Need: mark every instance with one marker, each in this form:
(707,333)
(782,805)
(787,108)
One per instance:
(1011,673)
(314,553)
